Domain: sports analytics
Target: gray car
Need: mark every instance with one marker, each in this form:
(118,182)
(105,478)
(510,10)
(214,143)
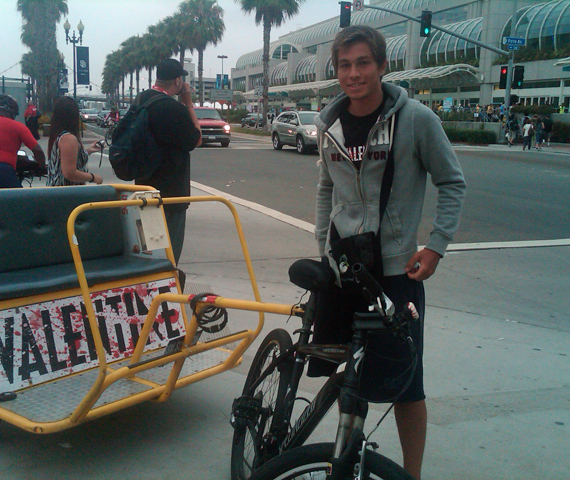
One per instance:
(296,129)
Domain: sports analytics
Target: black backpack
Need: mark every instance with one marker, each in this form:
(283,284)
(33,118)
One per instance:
(134,154)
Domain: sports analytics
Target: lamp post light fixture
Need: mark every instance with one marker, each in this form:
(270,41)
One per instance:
(222,57)
(74,40)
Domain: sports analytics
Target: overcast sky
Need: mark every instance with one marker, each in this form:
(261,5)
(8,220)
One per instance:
(110,22)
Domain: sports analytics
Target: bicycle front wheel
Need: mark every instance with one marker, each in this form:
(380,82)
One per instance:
(109,136)
(310,462)
(255,440)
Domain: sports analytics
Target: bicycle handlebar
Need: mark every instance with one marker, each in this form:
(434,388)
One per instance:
(374,289)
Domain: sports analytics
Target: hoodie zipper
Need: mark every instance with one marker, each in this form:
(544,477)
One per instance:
(358,178)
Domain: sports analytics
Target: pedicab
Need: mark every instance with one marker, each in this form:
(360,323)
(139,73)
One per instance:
(93,316)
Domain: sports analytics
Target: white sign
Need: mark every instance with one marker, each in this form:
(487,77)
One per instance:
(447,103)
(358,5)
(53,339)
(258,91)
(217,94)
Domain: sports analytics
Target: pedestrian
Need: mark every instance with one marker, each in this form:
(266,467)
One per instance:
(512,129)
(378,119)
(31,117)
(175,128)
(528,133)
(67,159)
(548,124)
(538,132)
(12,135)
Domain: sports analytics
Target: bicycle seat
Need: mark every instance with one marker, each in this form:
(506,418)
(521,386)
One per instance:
(311,275)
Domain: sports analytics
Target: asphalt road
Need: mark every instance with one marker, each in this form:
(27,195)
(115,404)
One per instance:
(512,195)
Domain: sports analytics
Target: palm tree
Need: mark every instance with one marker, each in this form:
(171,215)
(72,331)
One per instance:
(38,33)
(269,13)
(206,26)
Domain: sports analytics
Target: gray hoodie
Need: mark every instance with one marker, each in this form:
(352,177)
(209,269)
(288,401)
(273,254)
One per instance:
(350,197)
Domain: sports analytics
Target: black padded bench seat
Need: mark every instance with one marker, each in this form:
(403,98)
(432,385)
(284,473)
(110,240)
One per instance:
(35,257)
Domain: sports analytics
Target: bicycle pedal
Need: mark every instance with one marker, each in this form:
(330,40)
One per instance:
(245,409)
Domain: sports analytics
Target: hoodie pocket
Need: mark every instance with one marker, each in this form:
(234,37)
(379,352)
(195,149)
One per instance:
(395,224)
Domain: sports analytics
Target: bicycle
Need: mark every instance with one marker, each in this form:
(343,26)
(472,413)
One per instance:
(267,444)
(109,133)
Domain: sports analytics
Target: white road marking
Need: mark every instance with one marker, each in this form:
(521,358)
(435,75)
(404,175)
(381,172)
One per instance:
(309,227)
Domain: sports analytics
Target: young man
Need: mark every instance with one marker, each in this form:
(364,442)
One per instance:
(358,133)
(175,128)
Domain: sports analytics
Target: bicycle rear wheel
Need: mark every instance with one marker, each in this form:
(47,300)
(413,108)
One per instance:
(311,462)
(254,440)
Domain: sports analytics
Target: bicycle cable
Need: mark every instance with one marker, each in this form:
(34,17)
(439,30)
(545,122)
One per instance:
(298,304)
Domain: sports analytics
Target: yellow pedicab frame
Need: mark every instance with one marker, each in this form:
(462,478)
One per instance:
(108,375)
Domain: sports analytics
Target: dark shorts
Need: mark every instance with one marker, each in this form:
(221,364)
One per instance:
(8,177)
(387,363)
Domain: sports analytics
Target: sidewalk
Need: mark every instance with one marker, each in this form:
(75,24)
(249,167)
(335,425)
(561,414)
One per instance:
(498,385)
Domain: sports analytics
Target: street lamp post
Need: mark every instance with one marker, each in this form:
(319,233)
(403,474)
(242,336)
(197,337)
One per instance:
(74,40)
(222,57)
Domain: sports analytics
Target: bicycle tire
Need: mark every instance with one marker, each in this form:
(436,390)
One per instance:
(311,462)
(272,390)
(109,136)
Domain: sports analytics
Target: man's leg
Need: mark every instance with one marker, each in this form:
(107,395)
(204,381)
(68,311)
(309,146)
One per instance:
(176,221)
(411,418)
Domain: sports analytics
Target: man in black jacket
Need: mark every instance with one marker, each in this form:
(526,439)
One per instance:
(175,128)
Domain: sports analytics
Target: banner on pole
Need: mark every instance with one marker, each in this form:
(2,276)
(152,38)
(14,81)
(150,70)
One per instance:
(82,67)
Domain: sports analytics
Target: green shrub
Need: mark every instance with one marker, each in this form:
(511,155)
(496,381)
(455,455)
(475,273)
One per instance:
(235,115)
(561,132)
(534,109)
(479,137)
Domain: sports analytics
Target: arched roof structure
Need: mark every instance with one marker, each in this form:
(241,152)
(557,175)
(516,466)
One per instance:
(279,75)
(546,25)
(306,70)
(445,47)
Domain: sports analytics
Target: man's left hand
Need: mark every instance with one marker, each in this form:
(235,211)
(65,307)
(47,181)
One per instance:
(422,265)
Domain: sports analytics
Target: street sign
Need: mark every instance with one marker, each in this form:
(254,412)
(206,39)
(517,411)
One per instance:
(217,94)
(513,47)
(358,4)
(513,41)
(258,91)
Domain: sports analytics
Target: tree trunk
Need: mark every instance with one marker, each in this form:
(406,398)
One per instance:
(200,75)
(266,37)
(149,77)
(138,81)
(131,90)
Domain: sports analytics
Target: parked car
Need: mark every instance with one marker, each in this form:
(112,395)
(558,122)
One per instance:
(214,128)
(101,117)
(89,114)
(251,120)
(296,129)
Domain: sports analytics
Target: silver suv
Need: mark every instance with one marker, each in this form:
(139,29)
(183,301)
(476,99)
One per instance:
(296,129)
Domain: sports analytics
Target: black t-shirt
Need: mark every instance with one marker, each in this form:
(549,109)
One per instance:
(173,130)
(356,130)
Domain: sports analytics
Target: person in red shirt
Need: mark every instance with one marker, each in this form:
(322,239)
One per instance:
(12,135)
(31,116)
(113,116)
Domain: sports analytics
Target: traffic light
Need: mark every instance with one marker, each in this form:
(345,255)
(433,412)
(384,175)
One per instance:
(345,9)
(425,24)
(518,76)
(503,77)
